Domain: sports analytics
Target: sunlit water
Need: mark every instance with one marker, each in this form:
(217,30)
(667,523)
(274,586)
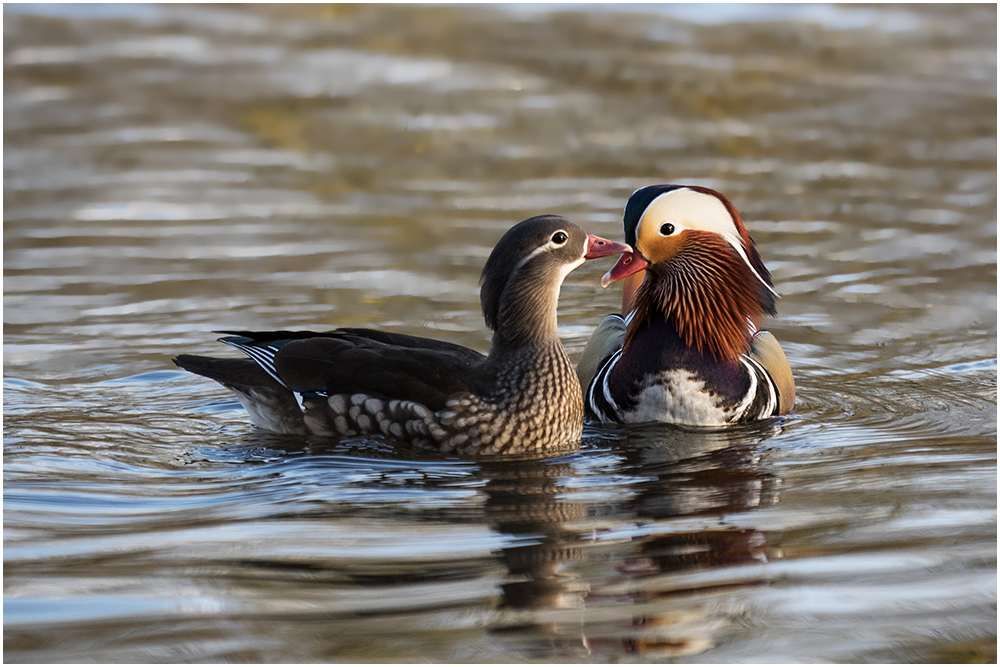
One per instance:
(171,171)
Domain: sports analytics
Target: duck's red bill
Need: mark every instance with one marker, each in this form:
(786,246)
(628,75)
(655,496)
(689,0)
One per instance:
(598,247)
(629,263)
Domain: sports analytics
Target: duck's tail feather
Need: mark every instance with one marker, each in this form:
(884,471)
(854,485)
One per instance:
(271,406)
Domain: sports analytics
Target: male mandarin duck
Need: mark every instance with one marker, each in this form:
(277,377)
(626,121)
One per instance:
(522,398)
(687,348)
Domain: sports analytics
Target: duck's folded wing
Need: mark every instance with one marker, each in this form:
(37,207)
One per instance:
(350,363)
(767,351)
(605,341)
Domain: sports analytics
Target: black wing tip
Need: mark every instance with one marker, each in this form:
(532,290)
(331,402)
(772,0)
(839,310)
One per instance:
(194,364)
(185,360)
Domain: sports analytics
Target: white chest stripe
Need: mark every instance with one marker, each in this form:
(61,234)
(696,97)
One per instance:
(606,374)
(756,370)
(751,392)
(601,379)
(760,382)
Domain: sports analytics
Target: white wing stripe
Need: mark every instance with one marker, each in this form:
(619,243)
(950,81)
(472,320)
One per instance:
(264,356)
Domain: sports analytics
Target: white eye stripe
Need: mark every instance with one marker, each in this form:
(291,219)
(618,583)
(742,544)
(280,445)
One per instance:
(539,249)
(711,215)
(551,245)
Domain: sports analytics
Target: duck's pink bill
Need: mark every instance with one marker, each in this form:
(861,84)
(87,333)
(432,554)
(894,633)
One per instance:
(629,263)
(598,247)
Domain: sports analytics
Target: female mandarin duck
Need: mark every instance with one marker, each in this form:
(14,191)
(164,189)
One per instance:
(522,398)
(688,350)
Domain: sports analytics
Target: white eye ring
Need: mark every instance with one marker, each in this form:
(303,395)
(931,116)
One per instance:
(667,228)
(560,237)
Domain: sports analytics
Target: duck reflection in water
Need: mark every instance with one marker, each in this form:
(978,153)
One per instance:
(567,570)
(692,482)
(527,501)
(687,485)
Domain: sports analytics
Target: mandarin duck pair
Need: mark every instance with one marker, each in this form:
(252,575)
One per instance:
(686,348)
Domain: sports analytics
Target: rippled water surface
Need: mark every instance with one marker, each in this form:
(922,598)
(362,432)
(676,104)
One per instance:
(171,171)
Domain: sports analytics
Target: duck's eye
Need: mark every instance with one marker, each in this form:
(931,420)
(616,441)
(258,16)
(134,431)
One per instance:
(666,229)
(559,238)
